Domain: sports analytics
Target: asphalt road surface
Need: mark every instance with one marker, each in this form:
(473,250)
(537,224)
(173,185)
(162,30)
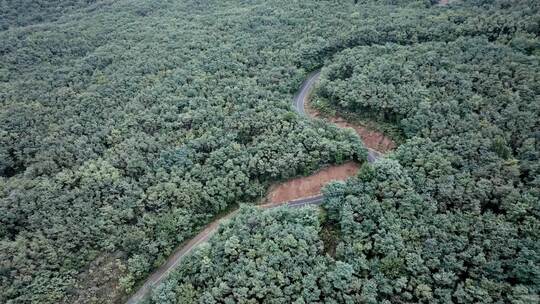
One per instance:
(301,98)
(184,249)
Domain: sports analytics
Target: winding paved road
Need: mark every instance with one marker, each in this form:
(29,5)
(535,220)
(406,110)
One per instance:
(184,249)
(302,96)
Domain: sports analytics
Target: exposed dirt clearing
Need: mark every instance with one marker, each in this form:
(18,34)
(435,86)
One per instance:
(371,138)
(310,185)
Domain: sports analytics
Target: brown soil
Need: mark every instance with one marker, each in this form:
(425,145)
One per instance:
(302,187)
(371,138)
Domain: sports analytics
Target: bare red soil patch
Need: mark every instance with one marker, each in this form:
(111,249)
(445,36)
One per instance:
(302,187)
(371,138)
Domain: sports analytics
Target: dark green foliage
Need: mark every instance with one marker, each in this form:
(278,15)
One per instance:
(399,239)
(27,12)
(259,256)
(469,108)
(452,216)
(127,127)
(455,216)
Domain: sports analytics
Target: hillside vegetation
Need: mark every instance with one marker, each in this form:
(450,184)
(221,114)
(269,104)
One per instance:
(452,216)
(126,126)
(273,256)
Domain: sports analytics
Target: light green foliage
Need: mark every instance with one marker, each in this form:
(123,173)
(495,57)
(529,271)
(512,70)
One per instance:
(15,13)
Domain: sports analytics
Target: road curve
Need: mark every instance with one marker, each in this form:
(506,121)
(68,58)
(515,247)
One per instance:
(185,248)
(299,103)
(302,95)
(178,254)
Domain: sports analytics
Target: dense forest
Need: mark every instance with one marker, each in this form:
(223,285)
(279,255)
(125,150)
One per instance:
(273,256)
(126,126)
(452,216)
(15,13)
(125,129)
